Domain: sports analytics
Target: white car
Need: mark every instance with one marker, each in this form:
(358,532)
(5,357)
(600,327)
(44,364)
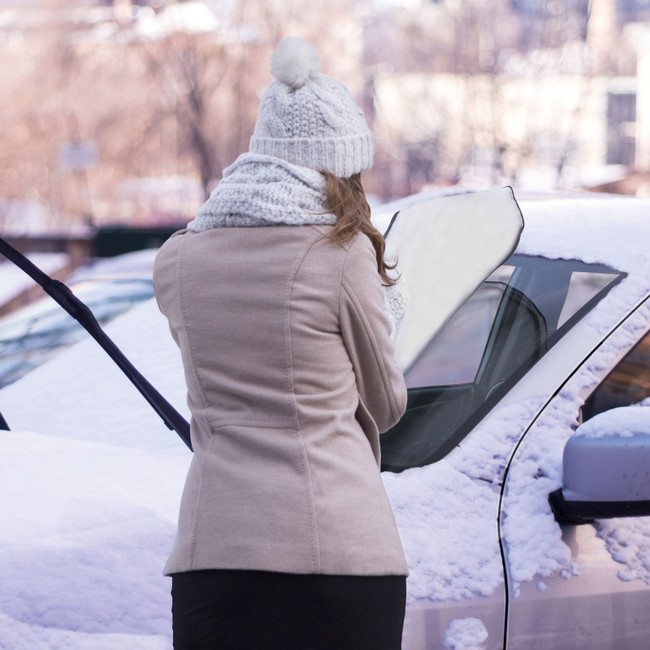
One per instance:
(536,385)
(535,392)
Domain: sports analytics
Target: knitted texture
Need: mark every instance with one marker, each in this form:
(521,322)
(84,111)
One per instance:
(264,191)
(310,119)
(396,301)
(259,190)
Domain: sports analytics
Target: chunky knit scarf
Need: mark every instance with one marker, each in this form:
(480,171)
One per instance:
(259,190)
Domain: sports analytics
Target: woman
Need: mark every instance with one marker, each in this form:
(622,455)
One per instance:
(274,295)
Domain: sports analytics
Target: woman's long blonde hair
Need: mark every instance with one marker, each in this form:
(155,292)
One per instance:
(346,199)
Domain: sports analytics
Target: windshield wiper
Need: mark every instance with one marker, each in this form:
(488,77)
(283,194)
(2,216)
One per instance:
(62,294)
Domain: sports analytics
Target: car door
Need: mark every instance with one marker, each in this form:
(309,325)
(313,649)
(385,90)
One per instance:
(577,586)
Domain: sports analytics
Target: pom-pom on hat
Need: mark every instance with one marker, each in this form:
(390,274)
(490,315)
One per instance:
(310,119)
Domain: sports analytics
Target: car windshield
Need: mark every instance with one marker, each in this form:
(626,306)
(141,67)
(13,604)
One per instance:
(510,322)
(37,332)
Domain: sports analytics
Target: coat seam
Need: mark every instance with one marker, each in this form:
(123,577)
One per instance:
(345,286)
(206,404)
(304,455)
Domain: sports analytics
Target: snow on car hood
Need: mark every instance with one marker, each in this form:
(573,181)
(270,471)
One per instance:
(90,496)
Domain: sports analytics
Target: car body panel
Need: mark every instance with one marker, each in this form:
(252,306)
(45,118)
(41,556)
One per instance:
(425,628)
(592,610)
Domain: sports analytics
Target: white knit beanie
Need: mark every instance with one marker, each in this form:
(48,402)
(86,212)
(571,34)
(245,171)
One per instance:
(309,119)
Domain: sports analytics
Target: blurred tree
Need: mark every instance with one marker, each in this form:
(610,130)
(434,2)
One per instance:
(171,92)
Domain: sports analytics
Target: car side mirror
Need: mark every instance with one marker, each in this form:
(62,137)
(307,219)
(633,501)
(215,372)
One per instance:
(606,468)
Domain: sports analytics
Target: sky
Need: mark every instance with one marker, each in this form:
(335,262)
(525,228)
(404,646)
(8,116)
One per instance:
(90,479)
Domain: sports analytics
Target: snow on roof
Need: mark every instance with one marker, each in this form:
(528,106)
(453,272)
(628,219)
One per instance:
(23,216)
(189,17)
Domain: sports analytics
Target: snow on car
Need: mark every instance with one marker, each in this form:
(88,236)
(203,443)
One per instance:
(31,335)
(91,480)
(13,281)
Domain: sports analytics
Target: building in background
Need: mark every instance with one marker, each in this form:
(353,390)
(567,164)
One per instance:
(127,111)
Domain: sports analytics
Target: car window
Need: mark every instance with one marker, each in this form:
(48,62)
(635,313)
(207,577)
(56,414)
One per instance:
(628,383)
(583,287)
(509,323)
(439,363)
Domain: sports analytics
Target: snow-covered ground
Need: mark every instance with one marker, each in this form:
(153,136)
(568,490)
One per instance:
(90,483)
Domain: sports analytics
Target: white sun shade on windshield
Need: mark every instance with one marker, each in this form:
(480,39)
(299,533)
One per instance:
(444,249)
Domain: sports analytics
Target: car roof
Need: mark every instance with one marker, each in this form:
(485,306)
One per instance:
(609,231)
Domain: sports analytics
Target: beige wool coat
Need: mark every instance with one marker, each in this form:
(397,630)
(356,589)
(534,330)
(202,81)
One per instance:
(291,377)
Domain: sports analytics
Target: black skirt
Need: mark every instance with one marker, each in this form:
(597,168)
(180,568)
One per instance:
(260,610)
